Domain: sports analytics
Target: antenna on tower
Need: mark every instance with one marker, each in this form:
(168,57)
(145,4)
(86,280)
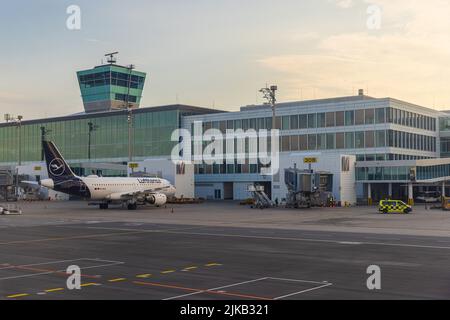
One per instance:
(111,57)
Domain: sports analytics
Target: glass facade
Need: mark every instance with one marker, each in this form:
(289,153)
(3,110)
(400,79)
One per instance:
(109,140)
(402,173)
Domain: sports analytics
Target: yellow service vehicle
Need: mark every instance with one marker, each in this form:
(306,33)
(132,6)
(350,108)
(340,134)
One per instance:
(445,203)
(394,206)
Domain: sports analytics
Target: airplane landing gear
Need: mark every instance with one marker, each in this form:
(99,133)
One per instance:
(132,206)
(103,206)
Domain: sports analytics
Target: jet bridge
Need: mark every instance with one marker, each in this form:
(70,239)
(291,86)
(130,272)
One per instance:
(307,188)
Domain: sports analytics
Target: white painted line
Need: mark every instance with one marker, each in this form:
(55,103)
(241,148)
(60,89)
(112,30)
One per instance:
(306,240)
(350,242)
(41,264)
(175,231)
(29,275)
(214,289)
(295,280)
(303,291)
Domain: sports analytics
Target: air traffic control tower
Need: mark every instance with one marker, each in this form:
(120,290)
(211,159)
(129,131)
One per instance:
(111,86)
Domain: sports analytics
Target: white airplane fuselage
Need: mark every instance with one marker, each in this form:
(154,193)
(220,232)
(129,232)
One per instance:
(106,188)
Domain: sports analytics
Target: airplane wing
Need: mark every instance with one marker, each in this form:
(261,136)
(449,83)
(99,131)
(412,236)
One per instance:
(32,184)
(132,194)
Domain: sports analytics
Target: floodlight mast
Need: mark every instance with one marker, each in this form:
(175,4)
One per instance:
(270,95)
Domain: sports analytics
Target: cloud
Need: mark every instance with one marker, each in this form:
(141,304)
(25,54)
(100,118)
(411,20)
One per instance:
(344,3)
(407,58)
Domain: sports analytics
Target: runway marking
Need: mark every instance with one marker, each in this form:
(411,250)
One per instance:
(306,240)
(90,284)
(54,290)
(42,263)
(216,289)
(303,291)
(349,242)
(147,275)
(198,291)
(297,280)
(117,280)
(72,238)
(212,264)
(59,272)
(168,271)
(174,231)
(19,295)
(189,268)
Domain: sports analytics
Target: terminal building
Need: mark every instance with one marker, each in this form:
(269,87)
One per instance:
(373,147)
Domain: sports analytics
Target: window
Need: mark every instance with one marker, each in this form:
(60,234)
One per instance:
(369,116)
(359,117)
(390,139)
(379,115)
(303,121)
(278,123)
(330,121)
(294,143)
(320,120)
(369,139)
(294,122)
(286,122)
(349,140)
(340,140)
(303,142)
(312,142)
(380,139)
(321,141)
(330,141)
(359,139)
(349,118)
(340,115)
(285,143)
(389,115)
(312,120)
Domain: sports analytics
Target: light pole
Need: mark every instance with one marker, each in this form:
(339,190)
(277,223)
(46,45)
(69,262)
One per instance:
(19,127)
(44,132)
(92,128)
(130,132)
(270,95)
(127,99)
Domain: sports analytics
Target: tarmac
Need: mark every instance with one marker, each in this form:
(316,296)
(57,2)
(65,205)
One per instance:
(220,250)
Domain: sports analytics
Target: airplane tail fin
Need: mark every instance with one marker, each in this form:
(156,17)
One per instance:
(56,165)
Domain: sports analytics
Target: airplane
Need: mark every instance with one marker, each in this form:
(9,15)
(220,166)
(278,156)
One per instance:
(104,190)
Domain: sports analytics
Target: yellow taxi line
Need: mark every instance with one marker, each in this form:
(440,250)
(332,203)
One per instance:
(168,271)
(117,280)
(54,290)
(212,264)
(190,268)
(19,295)
(146,275)
(89,284)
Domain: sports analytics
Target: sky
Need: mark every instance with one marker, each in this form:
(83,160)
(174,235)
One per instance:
(219,53)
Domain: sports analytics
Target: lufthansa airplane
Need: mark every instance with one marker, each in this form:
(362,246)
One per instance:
(105,191)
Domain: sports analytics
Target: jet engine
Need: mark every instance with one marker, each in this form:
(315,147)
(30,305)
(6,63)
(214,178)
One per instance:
(48,183)
(158,199)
